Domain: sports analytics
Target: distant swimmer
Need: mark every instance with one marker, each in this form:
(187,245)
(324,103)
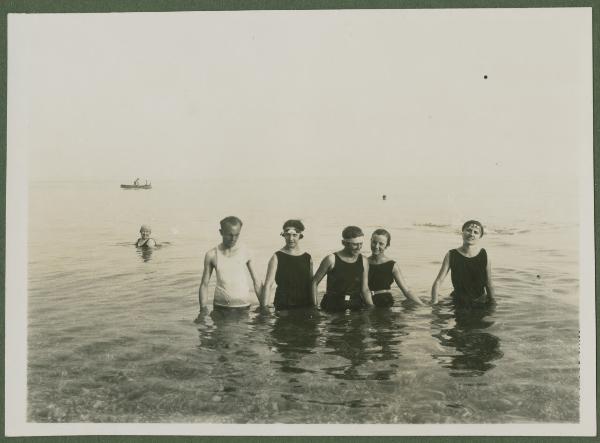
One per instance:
(383,271)
(136,182)
(470,269)
(145,241)
(231,261)
(384,197)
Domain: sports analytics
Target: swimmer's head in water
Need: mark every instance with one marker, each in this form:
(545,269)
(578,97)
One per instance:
(230,230)
(292,228)
(145,231)
(474,227)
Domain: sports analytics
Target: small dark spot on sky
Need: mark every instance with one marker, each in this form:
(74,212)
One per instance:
(485,76)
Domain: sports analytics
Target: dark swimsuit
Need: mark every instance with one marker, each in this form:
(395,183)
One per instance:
(381,278)
(143,245)
(469,278)
(344,284)
(293,281)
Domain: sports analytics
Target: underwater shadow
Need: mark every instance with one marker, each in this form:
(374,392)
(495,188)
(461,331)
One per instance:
(462,328)
(295,334)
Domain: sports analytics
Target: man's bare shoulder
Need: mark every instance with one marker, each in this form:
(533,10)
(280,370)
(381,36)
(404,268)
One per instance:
(329,259)
(211,255)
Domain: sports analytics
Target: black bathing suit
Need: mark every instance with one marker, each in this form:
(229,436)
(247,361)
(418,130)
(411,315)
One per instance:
(293,281)
(381,278)
(344,284)
(469,278)
(144,244)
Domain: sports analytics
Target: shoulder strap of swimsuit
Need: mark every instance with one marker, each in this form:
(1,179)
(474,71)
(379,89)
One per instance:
(336,258)
(484,257)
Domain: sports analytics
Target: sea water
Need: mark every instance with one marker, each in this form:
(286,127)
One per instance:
(111,336)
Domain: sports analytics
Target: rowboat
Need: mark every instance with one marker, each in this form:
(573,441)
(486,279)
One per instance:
(136,186)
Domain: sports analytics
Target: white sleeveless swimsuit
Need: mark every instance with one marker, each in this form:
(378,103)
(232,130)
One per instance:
(232,288)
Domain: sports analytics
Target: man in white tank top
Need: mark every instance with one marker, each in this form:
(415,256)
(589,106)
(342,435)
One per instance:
(230,261)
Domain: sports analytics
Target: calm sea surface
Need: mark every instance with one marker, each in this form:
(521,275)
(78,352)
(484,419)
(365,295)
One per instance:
(112,338)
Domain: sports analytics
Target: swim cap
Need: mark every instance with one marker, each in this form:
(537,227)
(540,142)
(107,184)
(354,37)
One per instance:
(292,230)
(296,224)
(472,222)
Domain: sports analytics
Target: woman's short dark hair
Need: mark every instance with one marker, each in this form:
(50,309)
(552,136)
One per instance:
(383,232)
(296,224)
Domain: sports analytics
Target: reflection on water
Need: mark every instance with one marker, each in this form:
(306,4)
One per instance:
(386,329)
(145,253)
(223,328)
(345,336)
(295,333)
(463,330)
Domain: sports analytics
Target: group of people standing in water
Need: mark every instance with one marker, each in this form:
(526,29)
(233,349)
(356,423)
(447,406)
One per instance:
(353,280)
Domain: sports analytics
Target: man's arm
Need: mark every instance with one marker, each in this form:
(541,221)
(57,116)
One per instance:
(314,301)
(366,294)
(399,279)
(440,278)
(257,284)
(209,264)
(326,265)
(267,290)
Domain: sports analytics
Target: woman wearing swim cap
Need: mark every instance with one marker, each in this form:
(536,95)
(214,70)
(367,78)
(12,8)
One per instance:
(289,271)
(470,270)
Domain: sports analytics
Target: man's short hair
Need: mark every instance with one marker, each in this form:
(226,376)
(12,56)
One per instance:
(351,232)
(472,222)
(383,232)
(232,220)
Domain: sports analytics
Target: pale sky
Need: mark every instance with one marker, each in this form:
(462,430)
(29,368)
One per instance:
(300,93)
